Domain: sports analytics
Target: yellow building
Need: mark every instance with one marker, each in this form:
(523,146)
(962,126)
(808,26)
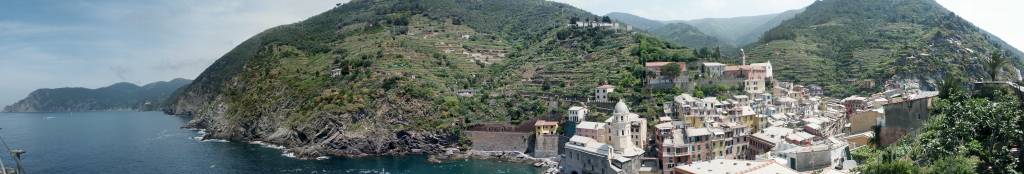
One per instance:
(545,127)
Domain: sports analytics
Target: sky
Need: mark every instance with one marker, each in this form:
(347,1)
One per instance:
(95,43)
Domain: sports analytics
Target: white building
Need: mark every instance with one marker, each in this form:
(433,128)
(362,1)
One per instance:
(712,70)
(601,93)
(577,114)
(767,68)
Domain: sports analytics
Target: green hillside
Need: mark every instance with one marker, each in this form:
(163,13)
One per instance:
(675,32)
(636,21)
(120,96)
(382,77)
(856,46)
(739,31)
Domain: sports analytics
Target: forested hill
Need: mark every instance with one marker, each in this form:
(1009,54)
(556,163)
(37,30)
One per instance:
(384,76)
(677,33)
(725,34)
(740,31)
(853,46)
(120,96)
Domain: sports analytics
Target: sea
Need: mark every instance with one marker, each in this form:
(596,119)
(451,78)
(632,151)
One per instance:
(152,142)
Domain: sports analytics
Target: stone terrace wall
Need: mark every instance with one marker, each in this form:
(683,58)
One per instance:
(500,141)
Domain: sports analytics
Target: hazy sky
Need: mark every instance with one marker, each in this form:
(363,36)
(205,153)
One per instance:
(94,43)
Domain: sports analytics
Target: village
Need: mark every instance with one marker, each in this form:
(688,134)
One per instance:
(770,127)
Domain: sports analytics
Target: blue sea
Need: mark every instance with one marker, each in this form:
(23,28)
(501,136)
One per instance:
(151,142)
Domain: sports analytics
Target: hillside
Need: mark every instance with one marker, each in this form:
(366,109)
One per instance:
(868,43)
(377,77)
(677,33)
(119,96)
(727,34)
(740,31)
(636,21)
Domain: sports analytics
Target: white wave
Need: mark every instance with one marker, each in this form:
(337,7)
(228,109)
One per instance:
(216,140)
(323,157)
(267,145)
(288,154)
(48,118)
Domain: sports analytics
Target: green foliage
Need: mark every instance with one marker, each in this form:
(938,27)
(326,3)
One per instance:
(671,70)
(890,164)
(954,165)
(964,135)
(995,65)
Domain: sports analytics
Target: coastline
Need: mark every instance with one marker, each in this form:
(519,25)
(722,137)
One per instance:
(547,165)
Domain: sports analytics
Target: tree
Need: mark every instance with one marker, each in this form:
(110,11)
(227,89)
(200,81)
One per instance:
(994,65)
(954,165)
(889,163)
(606,19)
(975,127)
(671,70)
(698,93)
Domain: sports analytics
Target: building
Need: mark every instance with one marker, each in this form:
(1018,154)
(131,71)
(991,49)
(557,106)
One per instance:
(619,155)
(593,130)
(827,154)
(660,80)
(542,127)
(672,147)
(863,121)
(767,69)
(729,166)
(577,114)
(905,115)
(545,142)
(636,126)
(764,142)
(602,92)
(854,103)
(712,70)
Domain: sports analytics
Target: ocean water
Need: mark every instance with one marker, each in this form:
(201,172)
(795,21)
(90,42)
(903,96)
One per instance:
(151,142)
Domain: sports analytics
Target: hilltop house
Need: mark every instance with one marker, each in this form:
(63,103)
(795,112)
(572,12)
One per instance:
(662,80)
(601,93)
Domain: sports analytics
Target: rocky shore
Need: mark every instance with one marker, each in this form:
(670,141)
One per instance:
(550,165)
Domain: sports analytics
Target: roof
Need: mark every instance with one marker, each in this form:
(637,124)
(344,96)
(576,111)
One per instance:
(683,98)
(590,125)
(730,166)
(587,144)
(676,139)
(621,108)
(658,65)
(606,87)
(576,108)
(799,136)
(713,64)
(854,98)
(692,132)
(545,123)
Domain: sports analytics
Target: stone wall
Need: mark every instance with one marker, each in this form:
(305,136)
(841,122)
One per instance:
(546,146)
(500,141)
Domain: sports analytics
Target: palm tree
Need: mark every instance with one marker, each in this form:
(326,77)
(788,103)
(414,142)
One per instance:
(994,65)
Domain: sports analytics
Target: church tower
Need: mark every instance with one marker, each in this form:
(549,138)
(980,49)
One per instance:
(619,128)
